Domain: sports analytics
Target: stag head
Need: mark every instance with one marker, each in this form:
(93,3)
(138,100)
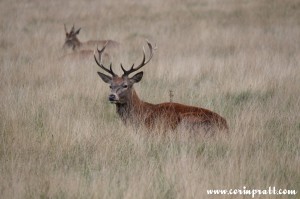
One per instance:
(71,39)
(121,86)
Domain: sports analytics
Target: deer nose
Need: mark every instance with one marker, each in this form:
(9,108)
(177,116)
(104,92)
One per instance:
(111,97)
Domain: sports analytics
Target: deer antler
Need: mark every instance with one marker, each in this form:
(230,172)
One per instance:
(144,62)
(65,28)
(72,29)
(99,63)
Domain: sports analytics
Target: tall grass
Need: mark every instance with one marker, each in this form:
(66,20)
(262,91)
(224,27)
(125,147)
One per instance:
(60,138)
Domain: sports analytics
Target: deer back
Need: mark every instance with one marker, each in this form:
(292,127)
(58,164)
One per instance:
(172,114)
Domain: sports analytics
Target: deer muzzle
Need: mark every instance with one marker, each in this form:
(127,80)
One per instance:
(113,98)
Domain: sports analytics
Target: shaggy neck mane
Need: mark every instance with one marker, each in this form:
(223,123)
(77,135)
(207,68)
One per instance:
(133,109)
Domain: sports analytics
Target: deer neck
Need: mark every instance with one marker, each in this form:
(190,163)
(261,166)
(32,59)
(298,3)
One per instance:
(132,109)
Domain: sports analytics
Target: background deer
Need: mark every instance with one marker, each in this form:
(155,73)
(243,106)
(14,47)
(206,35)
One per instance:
(72,42)
(83,50)
(166,115)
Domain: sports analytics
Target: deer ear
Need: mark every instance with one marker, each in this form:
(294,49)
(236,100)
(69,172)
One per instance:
(105,78)
(137,77)
(77,32)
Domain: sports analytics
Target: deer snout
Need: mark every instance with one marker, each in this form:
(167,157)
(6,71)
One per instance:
(112,98)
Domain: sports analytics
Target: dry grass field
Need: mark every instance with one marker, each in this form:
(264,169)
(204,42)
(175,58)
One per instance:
(61,138)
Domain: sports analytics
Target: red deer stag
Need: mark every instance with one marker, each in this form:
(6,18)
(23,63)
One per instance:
(165,115)
(72,42)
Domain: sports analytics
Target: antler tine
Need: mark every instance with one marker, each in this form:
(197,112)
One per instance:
(72,29)
(144,62)
(124,69)
(99,63)
(65,28)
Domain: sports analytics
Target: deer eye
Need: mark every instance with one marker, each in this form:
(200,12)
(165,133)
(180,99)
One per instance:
(110,87)
(125,86)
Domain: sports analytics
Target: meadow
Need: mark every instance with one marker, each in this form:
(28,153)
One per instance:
(61,138)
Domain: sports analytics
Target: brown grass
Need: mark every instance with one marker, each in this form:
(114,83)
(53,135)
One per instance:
(60,138)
